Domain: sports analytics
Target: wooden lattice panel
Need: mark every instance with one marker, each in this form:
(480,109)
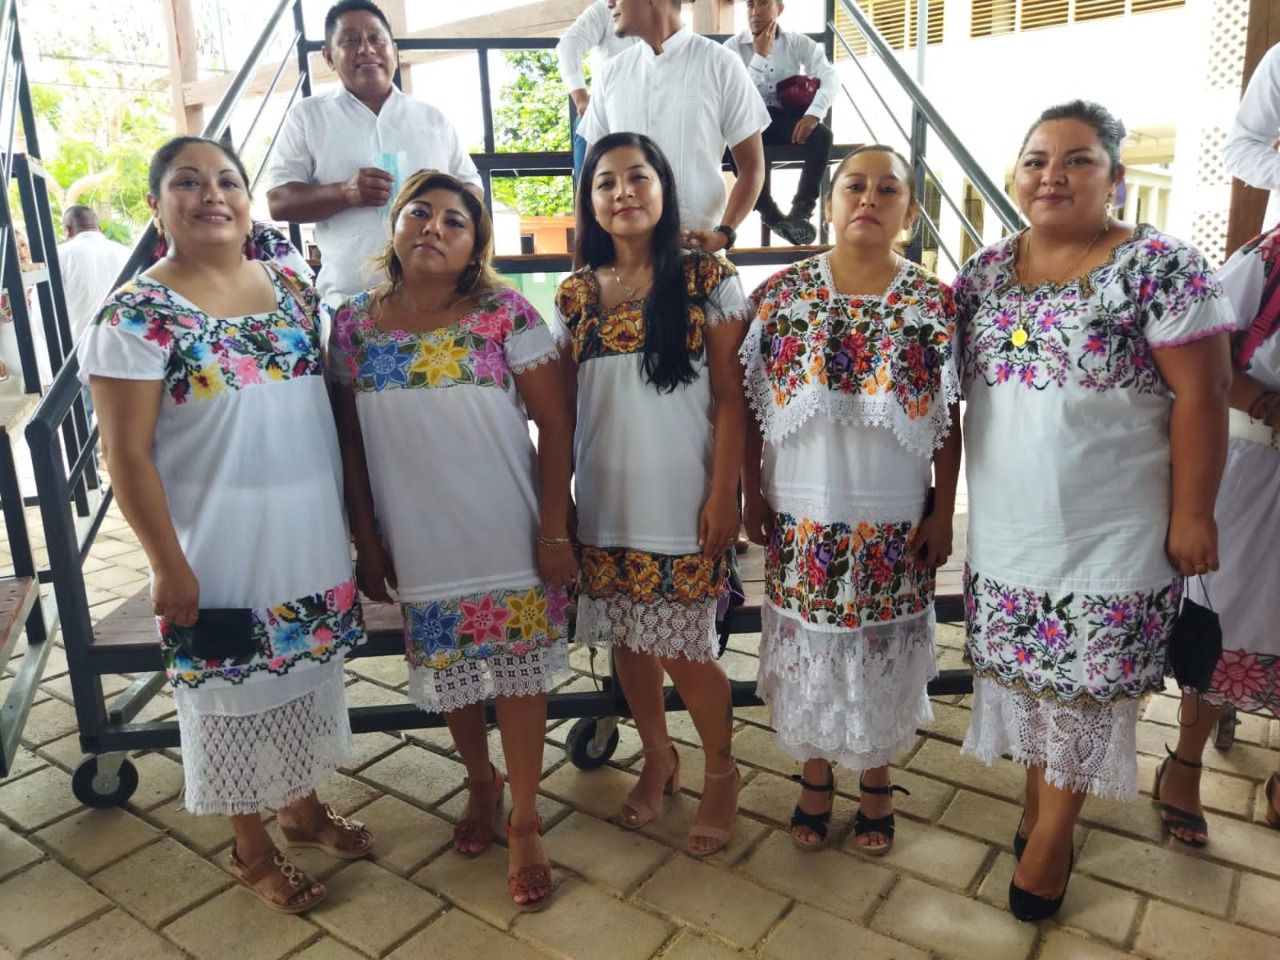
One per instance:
(1209,234)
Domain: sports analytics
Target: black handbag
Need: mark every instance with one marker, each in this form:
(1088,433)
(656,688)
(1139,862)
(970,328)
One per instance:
(1195,645)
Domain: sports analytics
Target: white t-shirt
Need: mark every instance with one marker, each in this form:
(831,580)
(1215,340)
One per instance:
(90,266)
(327,138)
(592,33)
(694,99)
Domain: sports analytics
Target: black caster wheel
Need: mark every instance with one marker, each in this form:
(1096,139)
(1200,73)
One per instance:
(100,790)
(581,746)
(1225,734)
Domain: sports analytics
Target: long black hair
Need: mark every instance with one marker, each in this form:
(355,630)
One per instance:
(666,361)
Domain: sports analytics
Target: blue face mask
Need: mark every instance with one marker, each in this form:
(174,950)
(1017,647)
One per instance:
(1195,645)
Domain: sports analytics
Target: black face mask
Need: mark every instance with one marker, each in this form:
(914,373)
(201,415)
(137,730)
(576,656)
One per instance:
(1195,645)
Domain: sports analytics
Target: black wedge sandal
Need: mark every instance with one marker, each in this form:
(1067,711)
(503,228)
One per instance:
(863,825)
(1175,818)
(819,823)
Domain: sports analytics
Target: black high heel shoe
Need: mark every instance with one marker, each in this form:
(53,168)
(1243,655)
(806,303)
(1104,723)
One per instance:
(1019,841)
(1029,907)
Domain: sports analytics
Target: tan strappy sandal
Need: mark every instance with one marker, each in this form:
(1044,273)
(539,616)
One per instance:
(719,836)
(635,813)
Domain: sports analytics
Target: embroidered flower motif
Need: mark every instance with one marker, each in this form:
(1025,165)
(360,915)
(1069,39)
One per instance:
(528,614)
(384,365)
(489,362)
(1240,676)
(207,384)
(483,620)
(439,360)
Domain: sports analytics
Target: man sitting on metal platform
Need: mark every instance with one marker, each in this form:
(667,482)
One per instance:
(774,57)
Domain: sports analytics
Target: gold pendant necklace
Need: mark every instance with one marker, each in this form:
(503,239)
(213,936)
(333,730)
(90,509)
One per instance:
(1023,332)
(631,291)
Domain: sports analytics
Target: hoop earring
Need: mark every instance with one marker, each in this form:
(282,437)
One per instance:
(162,243)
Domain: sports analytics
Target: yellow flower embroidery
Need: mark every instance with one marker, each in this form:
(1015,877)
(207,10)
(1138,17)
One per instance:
(528,614)
(439,360)
(207,384)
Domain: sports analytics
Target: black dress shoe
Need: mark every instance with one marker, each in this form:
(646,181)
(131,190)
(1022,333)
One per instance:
(1028,907)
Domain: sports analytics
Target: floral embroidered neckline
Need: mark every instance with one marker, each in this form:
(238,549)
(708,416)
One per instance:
(195,307)
(400,333)
(824,268)
(1140,232)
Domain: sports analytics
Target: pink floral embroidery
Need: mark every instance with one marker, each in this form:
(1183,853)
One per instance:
(1240,676)
(484,620)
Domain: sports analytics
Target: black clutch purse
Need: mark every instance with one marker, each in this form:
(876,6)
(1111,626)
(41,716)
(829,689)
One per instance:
(219,633)
(1195,645)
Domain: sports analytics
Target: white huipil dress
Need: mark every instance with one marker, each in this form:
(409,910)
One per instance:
(642,468)
(1245,589)
(455,487)
(852,395)
(248,457)
(1069,595)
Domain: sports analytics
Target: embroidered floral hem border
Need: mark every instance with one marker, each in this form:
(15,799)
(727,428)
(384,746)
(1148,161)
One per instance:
(439,633)
(1104,647)
(311,630)
(644,577)
(1246,680)
(845,576)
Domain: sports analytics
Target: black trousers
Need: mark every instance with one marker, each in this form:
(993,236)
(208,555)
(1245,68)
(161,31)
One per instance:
(817,153)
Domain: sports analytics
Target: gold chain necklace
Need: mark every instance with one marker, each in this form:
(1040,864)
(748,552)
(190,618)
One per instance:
(1023,331)
(631,291)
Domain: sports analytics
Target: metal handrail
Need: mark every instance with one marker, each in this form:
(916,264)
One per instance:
(991,193)
(53,480)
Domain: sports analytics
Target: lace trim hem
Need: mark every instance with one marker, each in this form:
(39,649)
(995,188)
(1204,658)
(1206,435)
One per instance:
(502,675)
(1084,747)
(240,765)
(850,510)
(524,366)
(855,697)
(664,629)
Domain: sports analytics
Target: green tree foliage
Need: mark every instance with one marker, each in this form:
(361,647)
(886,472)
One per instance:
(533,114)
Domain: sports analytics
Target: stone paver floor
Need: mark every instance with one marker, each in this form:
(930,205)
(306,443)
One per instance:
(148,881)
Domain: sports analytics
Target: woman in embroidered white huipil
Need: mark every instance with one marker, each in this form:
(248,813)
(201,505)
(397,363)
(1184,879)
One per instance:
(207,380)
(650,335)
(1091,487)
(1245,592)
(437,367)
(849,368)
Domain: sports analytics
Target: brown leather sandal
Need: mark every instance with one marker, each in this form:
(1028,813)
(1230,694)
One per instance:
(335,835)
(470,830)
(276,881)
(530,879)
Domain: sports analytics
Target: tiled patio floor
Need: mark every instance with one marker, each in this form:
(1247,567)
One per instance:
(148,882)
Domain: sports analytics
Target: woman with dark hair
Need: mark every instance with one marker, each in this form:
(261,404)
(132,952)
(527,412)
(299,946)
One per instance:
(208,386)
(435,370)
(850,370)
(1095,368)
(649,335)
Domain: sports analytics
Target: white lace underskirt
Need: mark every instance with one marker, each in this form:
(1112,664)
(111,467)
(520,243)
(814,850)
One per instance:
(473,680)
(854,697)
(246,751)
(1084,747)
(664,629)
